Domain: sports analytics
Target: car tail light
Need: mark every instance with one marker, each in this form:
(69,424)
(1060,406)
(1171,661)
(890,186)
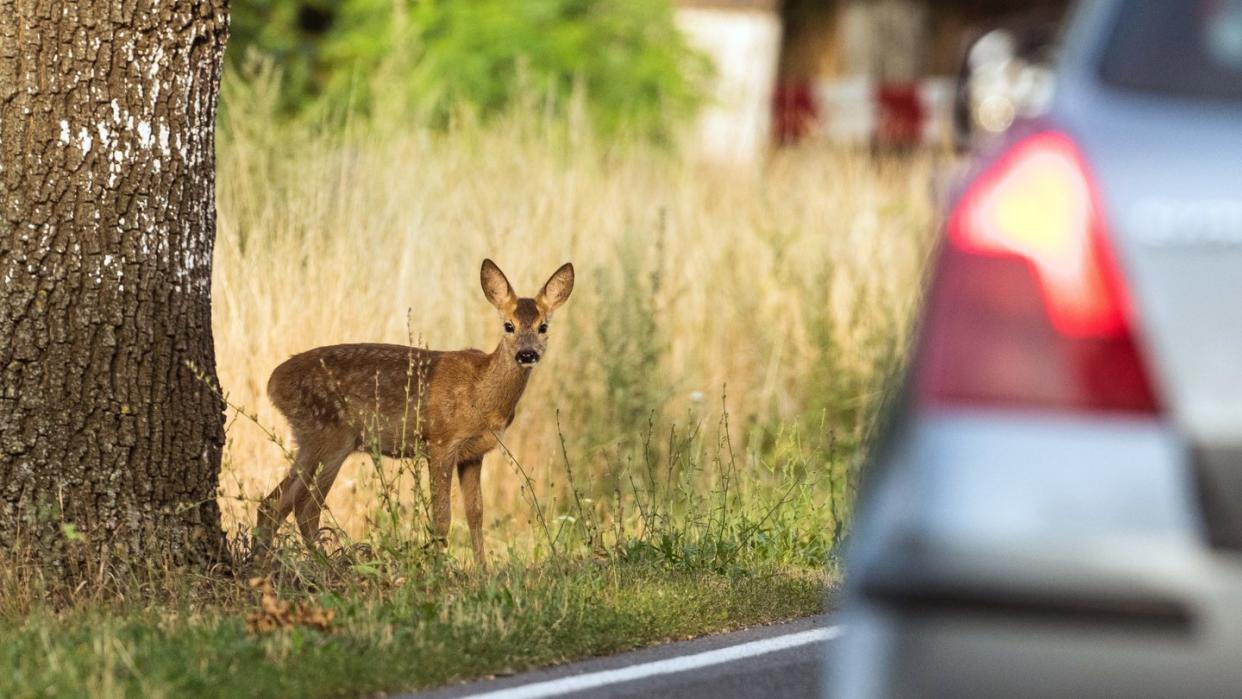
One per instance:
(1027,308)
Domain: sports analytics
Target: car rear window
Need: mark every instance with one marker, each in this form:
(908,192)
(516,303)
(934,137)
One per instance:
(1191,48)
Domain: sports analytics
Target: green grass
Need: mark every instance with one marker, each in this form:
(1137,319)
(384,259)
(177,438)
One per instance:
(695,539)
(443,628)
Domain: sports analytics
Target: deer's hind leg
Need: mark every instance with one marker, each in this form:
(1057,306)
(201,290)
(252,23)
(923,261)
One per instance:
(280,502)
(273,510)
(309,502)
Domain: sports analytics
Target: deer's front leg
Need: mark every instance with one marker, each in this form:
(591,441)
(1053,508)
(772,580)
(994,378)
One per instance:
(441,477)
(469,474)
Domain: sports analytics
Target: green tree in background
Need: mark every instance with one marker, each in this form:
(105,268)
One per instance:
(289,32)
(429,58)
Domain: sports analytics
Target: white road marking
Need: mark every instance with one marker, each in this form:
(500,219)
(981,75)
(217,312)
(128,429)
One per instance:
(578,683)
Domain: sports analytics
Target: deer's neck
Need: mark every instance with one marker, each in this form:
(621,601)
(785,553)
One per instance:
(503,383)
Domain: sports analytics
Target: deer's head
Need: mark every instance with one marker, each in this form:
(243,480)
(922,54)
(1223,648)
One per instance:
(526,319)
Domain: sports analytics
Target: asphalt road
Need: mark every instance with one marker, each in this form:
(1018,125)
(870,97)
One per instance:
(783,660)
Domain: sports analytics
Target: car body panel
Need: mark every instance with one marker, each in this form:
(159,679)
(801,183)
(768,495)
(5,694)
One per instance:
(1000,552)
(994,541)
(1174,212)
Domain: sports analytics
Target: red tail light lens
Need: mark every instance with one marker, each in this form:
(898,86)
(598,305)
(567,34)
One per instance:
(1027,308)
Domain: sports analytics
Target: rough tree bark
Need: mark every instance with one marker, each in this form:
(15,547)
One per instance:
(110,444)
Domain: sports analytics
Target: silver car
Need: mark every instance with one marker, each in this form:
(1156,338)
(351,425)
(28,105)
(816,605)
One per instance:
(1056,506)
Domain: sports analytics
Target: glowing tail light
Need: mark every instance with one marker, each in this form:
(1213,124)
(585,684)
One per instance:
(1027,308)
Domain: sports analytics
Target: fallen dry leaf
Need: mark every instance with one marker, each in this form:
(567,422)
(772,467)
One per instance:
(274,613)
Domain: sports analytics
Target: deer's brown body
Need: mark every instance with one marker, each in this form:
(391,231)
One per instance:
(453,406)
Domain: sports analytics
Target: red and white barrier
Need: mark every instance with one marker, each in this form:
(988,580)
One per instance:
(857,110)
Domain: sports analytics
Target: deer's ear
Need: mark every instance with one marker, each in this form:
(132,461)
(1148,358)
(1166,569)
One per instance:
(495,286)
(556,290)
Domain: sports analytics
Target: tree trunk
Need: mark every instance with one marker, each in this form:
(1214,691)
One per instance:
(110,443)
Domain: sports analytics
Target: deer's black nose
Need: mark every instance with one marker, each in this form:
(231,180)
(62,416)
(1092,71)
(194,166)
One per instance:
(527,357)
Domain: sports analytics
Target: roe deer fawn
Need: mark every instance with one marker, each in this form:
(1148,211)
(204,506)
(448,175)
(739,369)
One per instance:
(456,405)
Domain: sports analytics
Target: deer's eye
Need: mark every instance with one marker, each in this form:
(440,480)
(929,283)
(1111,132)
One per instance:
(543,328)
(508,327)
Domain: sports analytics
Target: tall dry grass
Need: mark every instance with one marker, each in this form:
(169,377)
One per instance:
(779,293)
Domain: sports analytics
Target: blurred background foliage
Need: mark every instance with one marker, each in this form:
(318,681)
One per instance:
(620,63)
